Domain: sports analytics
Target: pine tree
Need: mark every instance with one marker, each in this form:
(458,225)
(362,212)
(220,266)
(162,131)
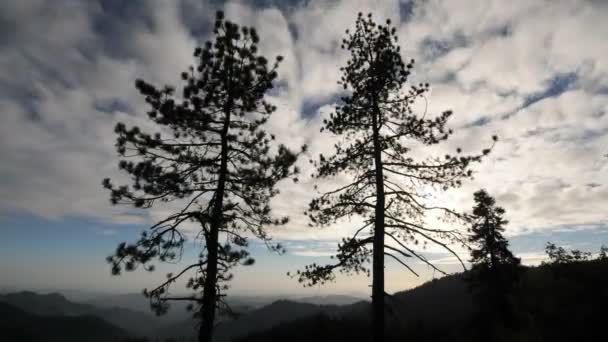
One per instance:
(210,158)
(603,255)
(388,187)
(559,255)
(495,269)
(488,226)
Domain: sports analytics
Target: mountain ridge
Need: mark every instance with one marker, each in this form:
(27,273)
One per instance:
(19,325)
(56,304)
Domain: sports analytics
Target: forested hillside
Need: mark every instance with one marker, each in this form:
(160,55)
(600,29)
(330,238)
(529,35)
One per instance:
(557,302)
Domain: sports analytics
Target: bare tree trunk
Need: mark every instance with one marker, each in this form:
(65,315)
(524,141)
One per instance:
(205,333)
(378,254)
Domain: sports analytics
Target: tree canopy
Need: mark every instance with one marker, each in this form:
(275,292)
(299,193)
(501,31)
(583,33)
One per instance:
(491,249)
(213,161)
(389,183)
(495,271)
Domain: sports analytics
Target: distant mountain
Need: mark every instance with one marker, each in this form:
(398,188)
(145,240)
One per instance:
(447,298)
(177,312)
(137,302)
(329,300)
(445,303)
(44,304)
(126,311)
(263,318)
(55,304)
(6,289)
(280,312)
(253,302)
(240,303)
(554,303)
(18,325)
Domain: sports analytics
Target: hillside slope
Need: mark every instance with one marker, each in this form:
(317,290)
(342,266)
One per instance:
(18,325)
(54,304)
(266,317)
(553,303)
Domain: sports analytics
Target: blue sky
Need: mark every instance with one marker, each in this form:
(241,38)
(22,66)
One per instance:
(533,72)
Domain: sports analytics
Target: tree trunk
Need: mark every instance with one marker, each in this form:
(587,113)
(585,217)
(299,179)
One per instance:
(205,333)
(378,253)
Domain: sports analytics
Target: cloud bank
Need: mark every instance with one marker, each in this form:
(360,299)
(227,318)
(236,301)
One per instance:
(533,72)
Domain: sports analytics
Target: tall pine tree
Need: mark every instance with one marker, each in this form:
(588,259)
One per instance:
(212,159)
(389,187)
(495,270)
(492,249)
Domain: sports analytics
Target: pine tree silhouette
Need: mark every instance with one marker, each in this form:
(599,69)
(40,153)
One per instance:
(217,166)
(388,186)
(495,269)
(603,255)
(559,255)
(487,232)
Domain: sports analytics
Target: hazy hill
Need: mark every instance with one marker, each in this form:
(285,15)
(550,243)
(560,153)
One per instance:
(137,302)
(266,317)
(55,304)
(329,300)
(554,303)
(18,325)
(446,299)
(178,312)
(128,311)
(279,312)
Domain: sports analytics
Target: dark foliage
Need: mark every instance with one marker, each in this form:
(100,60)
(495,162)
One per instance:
(491,249)
(318,328)
(559,255)
(564,302)
(603,255)
(144,339)
(550,306)
(495,271)
(389,185)
(212,159)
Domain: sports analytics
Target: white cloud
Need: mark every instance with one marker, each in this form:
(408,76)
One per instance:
(56,145)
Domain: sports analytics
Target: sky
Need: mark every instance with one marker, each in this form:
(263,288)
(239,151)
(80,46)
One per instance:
(532,72)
